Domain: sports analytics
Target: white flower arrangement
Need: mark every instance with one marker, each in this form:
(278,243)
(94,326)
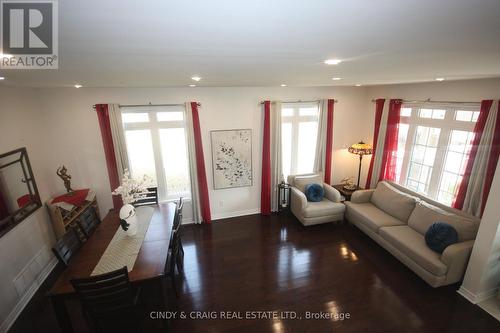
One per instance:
(132,189)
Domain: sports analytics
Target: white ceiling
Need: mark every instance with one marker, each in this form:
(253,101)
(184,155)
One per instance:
(163,43)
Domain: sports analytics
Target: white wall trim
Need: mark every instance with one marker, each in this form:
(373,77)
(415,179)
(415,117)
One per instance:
(19,307)
(476,298)
(227,215)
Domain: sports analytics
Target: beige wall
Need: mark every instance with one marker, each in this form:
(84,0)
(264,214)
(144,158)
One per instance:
(25,250)
(75,132)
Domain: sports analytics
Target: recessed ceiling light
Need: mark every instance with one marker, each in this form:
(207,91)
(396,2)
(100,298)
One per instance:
(78,86)
(196,78)
(192,85)
(358,85)
(283,85)
(2,78)
(336,78)
(440,79)
(333,61)
(5,55)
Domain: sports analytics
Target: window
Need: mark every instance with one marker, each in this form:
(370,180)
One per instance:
(298,135)
(433,148)
(157,146)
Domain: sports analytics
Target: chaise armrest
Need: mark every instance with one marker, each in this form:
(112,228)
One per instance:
(298,199)
(361,196)
(456,257)
(332,193)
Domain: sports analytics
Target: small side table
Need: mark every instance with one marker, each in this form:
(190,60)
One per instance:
(284,197)
(345,193)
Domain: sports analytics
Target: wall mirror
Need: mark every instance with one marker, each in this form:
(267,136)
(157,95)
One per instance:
(19,196)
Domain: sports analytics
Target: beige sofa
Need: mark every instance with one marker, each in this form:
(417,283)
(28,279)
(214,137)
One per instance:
(397,219)
(310,213)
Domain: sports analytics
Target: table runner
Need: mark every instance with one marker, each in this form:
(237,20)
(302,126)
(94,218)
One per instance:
(123,249)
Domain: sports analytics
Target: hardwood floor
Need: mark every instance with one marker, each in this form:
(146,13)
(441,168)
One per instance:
(255,263)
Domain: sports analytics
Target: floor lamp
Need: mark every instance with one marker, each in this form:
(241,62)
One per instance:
(360,149)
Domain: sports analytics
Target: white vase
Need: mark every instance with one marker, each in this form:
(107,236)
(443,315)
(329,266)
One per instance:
(128,213)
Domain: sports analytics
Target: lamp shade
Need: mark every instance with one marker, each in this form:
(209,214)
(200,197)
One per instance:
(361,148)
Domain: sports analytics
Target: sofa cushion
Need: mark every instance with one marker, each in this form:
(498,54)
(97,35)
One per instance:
(393,202)
(370,216)
(425,214)
(314,192)
(300,182)
(323,208)
(412,244)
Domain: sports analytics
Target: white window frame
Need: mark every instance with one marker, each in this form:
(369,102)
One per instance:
(154,126)
(295,120)
(447,125)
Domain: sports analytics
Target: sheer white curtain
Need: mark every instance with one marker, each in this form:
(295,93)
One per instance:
(474,200)
(118,134)
(193,175)
(320,156)
(276,157)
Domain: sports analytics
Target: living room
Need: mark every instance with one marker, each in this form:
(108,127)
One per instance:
(171,94)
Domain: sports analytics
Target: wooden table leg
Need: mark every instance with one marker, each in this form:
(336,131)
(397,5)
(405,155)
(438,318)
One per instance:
(59,304)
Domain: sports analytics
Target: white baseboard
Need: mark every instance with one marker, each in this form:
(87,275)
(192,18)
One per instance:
(227,215)
(19,307)
(476,298)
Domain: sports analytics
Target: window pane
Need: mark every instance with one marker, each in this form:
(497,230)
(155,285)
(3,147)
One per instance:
(453,162)
(286,112)
(422,134)
(140,153)
(405,112)
(135,117)
(475,116)
(459,141)
(433,137)
(425,113)
(169,116)
(308,111)
(402,135)
(461,115)
(438,114)
(306,146)
(286,148)
(175,161)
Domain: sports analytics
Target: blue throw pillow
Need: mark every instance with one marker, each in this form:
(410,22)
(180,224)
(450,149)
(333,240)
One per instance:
(440,235)
(314,192)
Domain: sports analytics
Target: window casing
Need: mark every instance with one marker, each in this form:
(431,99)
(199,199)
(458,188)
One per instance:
(433,147)
(299,133)
(157,146)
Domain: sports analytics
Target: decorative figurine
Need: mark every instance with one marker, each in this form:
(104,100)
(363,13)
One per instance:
(62,172)
(348,183)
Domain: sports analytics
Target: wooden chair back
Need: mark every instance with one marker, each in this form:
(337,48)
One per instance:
(67,246)
(88,221)
(106,295)
(150,198)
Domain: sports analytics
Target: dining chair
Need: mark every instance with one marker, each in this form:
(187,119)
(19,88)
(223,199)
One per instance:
(175,251)
(150,197)
(67,246)
(108,301)
(88,221)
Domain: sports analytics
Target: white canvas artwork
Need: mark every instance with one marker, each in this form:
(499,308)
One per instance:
(232,158)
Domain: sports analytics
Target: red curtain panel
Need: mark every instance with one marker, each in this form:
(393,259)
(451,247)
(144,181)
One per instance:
(379,108)
(389,157)
(492,161)
(265,195)
(329,142)
(200,167)
(109,151)
(478,133)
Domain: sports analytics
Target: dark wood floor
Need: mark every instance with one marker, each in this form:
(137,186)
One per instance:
(254,263)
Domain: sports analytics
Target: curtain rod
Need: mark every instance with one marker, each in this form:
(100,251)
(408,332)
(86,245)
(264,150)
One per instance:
(300,101)
(142,105)
(431,101)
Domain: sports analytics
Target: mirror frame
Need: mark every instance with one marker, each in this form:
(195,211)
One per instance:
(28,175)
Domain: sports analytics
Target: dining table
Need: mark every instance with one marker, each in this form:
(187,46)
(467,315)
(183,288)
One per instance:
(149,266)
